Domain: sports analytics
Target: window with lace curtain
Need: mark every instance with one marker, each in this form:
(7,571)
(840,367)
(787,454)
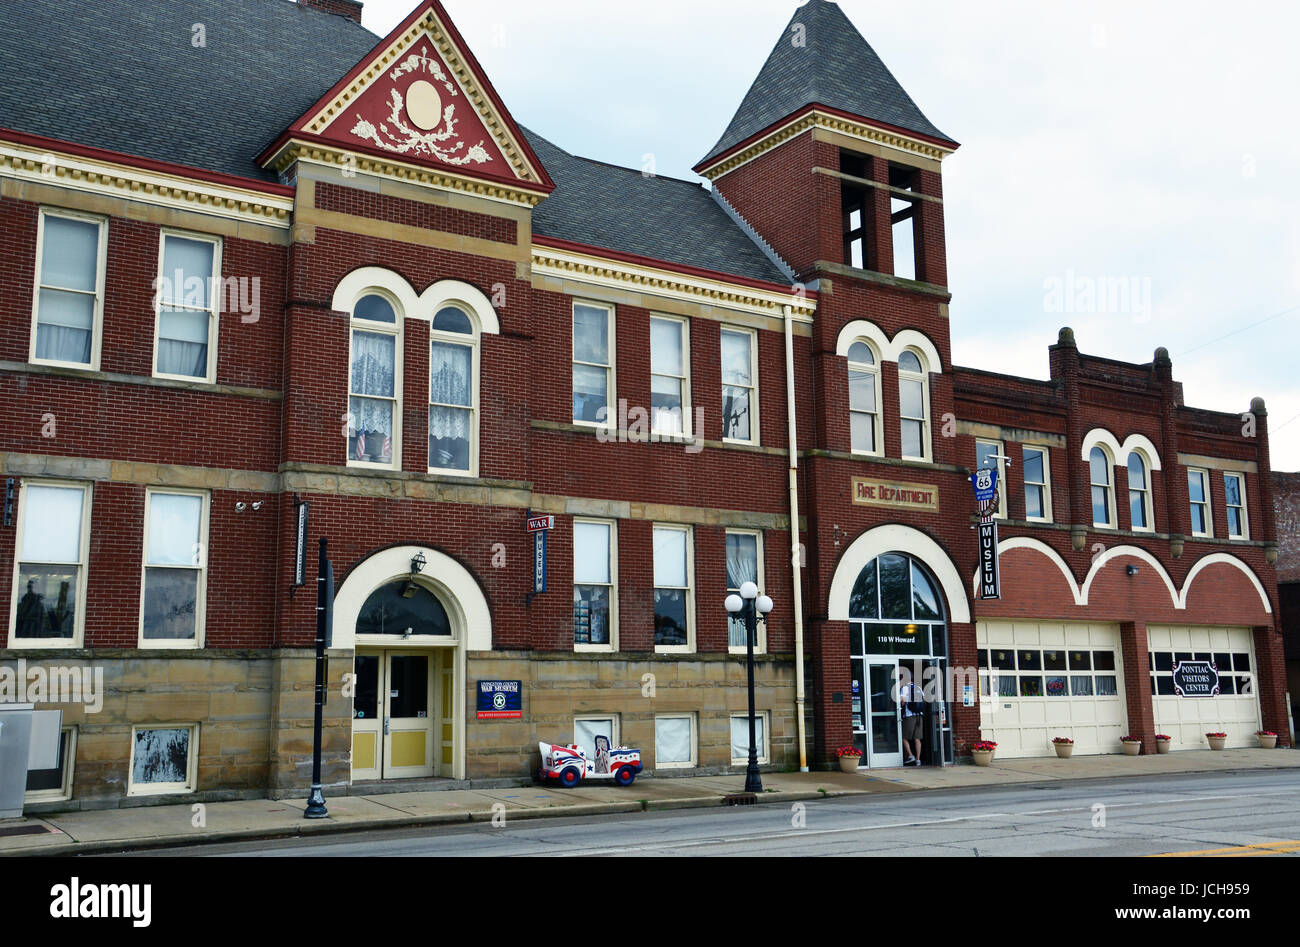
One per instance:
(744,564)
(69,310)
(453,393)
(187,300)
(373,421)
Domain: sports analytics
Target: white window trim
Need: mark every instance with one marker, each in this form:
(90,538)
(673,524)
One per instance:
(999,449)
(166,789)
(687,409)
(1148,506)
(689,647)
(1046,484)
(754,426)
(201,598)
(611,384)
(614,739)
(398,330)
(64,792)
(472,342)
(214,303)
(101,266)
(1110,489)
(765,745)
(874,371)
(760,638)
(612,647)
(694,761)
(1228,507)
(83,570)
(927,446)
(1208,503)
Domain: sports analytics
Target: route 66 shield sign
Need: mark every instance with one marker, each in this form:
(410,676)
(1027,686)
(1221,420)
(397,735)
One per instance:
(985,482)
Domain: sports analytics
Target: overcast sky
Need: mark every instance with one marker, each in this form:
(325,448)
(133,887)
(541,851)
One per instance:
(1149,145)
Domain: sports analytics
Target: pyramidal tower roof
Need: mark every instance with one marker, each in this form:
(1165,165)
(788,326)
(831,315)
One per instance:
(822,59)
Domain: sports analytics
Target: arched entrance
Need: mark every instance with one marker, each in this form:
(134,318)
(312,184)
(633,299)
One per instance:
(410,614)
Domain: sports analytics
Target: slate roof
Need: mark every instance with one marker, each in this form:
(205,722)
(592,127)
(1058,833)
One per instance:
(836,68)
(71,70)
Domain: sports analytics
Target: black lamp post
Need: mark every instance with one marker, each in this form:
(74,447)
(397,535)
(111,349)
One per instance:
(751,609)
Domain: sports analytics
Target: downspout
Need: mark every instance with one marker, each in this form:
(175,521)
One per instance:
(796,548)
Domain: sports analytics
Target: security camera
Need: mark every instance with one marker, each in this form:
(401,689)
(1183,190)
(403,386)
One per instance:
(240,507)
(257,506)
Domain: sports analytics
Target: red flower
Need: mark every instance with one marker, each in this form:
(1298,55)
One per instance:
(848,751)
(983,746)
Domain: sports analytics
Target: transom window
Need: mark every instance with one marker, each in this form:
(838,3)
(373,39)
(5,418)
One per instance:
(403,609)
(593,364)
(670,395)
(1198,492)
(740,386)
(1139,492)
(1038,489)
(895,608)
(188,300)
(50,565)
(864,400)
(453,393)
(69,306)
(1103,501)
(1234,492)
(373,420)
(914,406)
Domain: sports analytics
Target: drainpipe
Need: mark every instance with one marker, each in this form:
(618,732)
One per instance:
(796,550)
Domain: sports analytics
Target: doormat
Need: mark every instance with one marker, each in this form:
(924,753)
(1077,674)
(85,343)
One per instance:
(12,830)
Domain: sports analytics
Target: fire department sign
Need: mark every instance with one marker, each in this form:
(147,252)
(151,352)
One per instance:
(868,491)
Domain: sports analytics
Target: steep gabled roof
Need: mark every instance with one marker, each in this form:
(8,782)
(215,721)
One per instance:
(829,63)
(125,75)
(602,205)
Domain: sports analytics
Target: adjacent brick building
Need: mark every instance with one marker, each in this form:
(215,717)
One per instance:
(375,292)
(1286,501)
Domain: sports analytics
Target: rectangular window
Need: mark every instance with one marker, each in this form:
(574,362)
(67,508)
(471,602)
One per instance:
(593,364)
(68,311)
(855,209)
(451,408)
(55,785)
(1234,490)
(740,386)
(670,385)
(744,564)
(903,216)
(373,393)
(988,455)
(187,301)
(586,729)
(173,592)
(674,603)
(163,759)
(1198,492)
(1038,485)
(740,738)
(50,569)
(675,744)
(595,608)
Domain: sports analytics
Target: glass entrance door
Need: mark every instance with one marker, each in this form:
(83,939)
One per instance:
(393,715)
(885,747)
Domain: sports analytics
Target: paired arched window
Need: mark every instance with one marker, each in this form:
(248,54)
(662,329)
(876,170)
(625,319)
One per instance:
(864,400)
(914,405)
(453,392)
(1139,492)
(374,421)
(1100,466)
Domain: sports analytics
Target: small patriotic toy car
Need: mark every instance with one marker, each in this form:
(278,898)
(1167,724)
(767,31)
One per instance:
(570,766)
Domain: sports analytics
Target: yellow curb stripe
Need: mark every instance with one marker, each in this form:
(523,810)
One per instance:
(1262,848)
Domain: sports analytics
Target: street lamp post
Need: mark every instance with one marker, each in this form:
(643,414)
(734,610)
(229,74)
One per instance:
(751,608)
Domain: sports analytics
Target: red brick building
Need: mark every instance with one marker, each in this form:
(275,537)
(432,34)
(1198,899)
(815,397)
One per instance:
(375,292)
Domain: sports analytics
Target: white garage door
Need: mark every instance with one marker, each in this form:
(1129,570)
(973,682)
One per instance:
(1040,680)
(1187,719)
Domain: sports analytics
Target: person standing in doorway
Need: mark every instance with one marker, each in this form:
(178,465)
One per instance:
(912,702)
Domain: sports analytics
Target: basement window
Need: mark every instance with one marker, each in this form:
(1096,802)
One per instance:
(903,214)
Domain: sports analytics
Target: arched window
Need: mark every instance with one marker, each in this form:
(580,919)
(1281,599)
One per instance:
(1103,500)
(864,400)
(453,392)
(374,421)
(403,609)
(1139,492)
(914,405)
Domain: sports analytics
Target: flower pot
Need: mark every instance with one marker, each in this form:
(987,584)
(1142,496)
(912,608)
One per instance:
(1216,743)
(1063,750)
(1268,742)
(849,764)
(1131,747)
(982,757)
(1162,746)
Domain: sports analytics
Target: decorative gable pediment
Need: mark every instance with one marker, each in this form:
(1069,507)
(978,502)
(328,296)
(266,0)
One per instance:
(419,103)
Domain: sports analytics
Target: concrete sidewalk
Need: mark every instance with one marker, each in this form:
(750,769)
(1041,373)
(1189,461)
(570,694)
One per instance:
(109,830)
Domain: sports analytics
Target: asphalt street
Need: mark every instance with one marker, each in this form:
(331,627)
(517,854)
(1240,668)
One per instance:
(1248,813)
